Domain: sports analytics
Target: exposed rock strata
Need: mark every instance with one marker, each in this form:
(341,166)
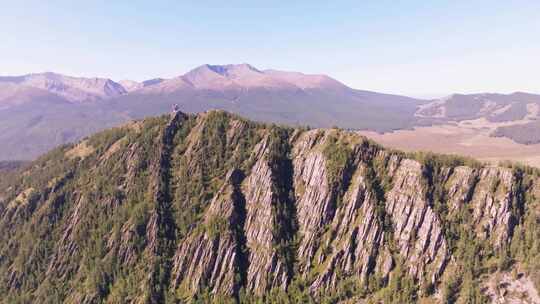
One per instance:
(275,209)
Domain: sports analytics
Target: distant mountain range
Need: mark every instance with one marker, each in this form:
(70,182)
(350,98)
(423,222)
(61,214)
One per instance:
(40,111)
(73,89)
(516,115)
(492,107)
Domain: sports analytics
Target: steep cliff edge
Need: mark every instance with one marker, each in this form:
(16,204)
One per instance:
(213,207)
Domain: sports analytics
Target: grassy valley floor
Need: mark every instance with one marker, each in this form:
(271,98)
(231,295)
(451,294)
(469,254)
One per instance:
(468,138)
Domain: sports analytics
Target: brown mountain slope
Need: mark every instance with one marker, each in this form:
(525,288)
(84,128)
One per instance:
(515,116)
(40,111)
(73,89)
(69,108)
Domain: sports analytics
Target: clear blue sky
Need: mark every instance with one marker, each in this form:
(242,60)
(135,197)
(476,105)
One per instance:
(415,47)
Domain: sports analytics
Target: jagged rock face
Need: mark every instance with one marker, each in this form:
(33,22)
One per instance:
(208,256)
(461,186)
(492,203)
(491,192)
(183,208)
(265,270)
(417,229)
(358,236)
(314,199)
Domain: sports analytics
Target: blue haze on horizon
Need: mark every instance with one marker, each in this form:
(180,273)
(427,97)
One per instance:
(417,48)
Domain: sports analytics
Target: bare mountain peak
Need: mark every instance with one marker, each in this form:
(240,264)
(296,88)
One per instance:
(74,89)
(231,69)
(516,107)
(226,71)
(130,85)
(247,76)
(152,81)
(306,81)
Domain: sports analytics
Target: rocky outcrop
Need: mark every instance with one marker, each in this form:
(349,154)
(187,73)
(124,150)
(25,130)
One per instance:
(492,204)
(357,235)
(266,270)
(505,288)
(348,239)
(189,208)
(314,198)
(460,186)
(209,256)
(417,228)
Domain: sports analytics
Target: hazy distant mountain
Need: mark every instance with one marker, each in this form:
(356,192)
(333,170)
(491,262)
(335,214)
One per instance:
(74,89)
(13,95)
(130,85)
(40,111)
(234,77)
(516,115)
(271,96)
(29,129)
(492,107)
(243,76)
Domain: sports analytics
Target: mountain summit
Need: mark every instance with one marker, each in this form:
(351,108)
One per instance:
(245,76)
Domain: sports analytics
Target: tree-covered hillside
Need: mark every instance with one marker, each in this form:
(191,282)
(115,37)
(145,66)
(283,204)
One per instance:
(215,208)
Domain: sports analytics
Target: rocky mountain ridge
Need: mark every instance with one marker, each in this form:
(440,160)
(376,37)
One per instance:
(212,207)
(493,107)
(245,76)
(217,77)
(515,116)
(72,89)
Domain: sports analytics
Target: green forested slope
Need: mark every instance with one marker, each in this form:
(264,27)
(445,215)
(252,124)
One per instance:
(213,207)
